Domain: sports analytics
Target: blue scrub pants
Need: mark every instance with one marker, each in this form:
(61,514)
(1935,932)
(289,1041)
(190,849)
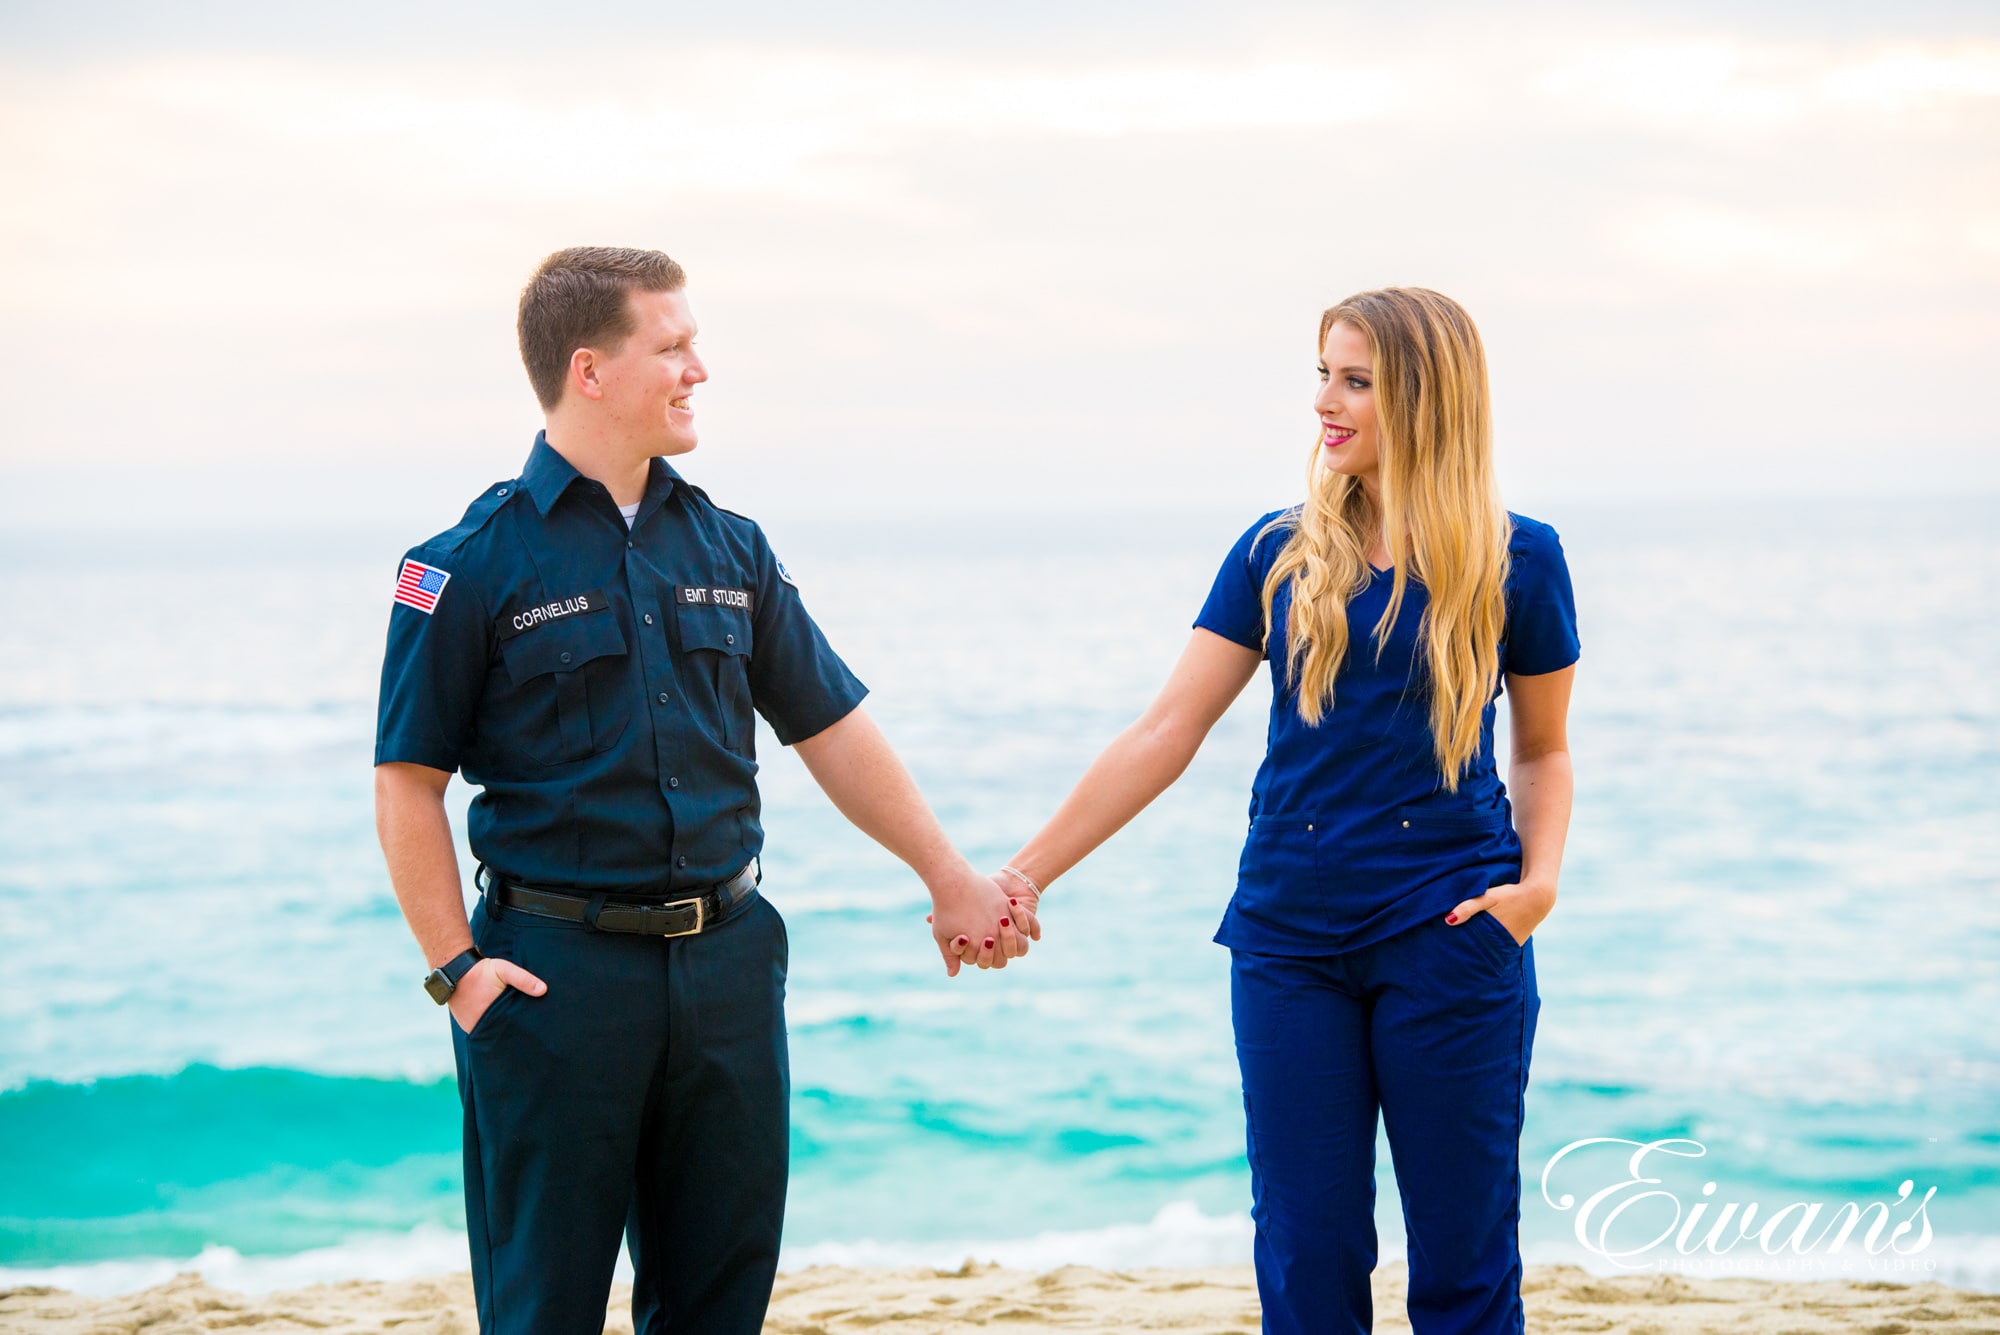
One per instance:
(1433,1027)
(647,1091)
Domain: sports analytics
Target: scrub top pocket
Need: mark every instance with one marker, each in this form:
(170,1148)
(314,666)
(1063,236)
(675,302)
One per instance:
(1279,878)
(1445,822)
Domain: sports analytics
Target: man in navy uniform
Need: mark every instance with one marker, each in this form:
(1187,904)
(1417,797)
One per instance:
(586,647)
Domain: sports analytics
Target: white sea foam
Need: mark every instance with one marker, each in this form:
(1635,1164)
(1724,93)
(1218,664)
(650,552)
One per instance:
(425,1250)
(1180,1235)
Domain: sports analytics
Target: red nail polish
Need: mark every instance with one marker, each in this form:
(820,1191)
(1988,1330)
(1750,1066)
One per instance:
(1451,917)
(1013,902)
(1004,922)
(989,943)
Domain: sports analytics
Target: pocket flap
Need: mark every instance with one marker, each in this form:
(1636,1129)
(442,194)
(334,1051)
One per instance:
(723,630)
(1451,818)
(562,646)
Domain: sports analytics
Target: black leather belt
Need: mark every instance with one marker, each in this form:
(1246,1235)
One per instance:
(678,917)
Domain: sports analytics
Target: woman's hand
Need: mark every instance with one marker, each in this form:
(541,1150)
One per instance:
(1025,900)
(972,922)
(1009,940)
(482,985)
(1518,907)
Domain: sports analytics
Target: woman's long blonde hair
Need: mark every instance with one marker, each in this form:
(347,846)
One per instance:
(1441,518)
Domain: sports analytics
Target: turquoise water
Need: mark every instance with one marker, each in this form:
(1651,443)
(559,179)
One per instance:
(1777,935)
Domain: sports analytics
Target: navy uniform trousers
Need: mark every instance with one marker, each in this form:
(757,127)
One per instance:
(647,1091)
(1433,1028)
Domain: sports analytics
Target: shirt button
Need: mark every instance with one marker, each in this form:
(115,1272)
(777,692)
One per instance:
(729,639)
(1406,825)
(681,861)
(565,658)
(649,618)
(673,783)
(663,697)
(628,542)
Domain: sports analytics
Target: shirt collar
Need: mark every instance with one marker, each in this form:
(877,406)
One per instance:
(660,480)
(547,475)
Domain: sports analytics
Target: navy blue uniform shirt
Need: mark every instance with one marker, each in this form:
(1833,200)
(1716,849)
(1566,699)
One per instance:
(1353,837)
(596,682)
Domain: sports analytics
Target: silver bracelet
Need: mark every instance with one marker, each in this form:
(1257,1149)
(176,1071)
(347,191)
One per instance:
(1022,877)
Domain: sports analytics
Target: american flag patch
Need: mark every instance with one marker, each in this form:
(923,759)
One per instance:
(419,585)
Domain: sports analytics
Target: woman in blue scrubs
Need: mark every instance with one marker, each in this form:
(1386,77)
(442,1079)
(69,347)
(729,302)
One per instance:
(1380,933)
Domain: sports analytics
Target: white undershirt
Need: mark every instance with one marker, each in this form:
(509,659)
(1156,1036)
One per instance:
(631,513)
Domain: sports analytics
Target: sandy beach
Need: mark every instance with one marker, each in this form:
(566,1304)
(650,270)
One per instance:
(827,1300)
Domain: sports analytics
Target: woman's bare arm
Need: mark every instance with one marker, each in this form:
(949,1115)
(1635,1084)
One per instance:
(1144,759)
(1540,784)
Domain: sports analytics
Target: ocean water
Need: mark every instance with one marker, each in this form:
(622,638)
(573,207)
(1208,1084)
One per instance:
(1779,934)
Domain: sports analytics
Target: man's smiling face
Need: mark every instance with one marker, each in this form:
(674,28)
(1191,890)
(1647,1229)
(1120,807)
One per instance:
(648,381)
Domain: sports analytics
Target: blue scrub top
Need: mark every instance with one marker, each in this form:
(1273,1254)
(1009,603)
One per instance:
(1353,837)
(596,682)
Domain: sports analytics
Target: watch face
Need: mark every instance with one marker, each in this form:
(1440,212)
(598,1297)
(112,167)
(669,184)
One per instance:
(439,986)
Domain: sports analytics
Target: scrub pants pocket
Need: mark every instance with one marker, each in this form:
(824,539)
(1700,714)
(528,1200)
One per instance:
(1500,931)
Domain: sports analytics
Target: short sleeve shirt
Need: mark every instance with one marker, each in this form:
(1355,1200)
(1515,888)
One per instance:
(1353,836)
(596,682)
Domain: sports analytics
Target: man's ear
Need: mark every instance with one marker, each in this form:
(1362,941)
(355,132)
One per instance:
(583,368)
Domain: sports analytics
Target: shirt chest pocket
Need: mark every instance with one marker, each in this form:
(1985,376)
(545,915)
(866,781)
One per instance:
(567,677)
(715,672)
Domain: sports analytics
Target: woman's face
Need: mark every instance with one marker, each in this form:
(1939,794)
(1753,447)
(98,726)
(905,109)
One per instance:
(1346,403)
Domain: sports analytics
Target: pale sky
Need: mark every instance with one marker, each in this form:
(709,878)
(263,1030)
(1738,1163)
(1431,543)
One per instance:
(258,262)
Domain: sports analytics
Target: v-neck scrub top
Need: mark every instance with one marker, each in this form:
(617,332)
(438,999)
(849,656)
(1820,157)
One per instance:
(1353,836)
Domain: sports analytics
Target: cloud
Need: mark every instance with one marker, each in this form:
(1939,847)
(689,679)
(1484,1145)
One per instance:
(1739,87)
(1699,238)
(928,268)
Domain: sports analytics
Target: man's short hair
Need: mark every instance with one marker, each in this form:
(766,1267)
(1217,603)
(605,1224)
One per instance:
(578,299)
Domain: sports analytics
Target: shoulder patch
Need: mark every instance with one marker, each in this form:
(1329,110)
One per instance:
(482,509)
(785,574)
(420,586)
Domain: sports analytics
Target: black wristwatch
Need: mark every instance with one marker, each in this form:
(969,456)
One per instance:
(442,981)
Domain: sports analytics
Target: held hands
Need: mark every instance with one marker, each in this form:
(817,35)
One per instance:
(1519,908)
(982,920)
(482,985)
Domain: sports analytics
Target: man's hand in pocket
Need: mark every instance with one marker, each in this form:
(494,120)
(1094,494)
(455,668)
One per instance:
(482,985)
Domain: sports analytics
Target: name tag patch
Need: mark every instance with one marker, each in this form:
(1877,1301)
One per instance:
(556,609)
(708,595)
